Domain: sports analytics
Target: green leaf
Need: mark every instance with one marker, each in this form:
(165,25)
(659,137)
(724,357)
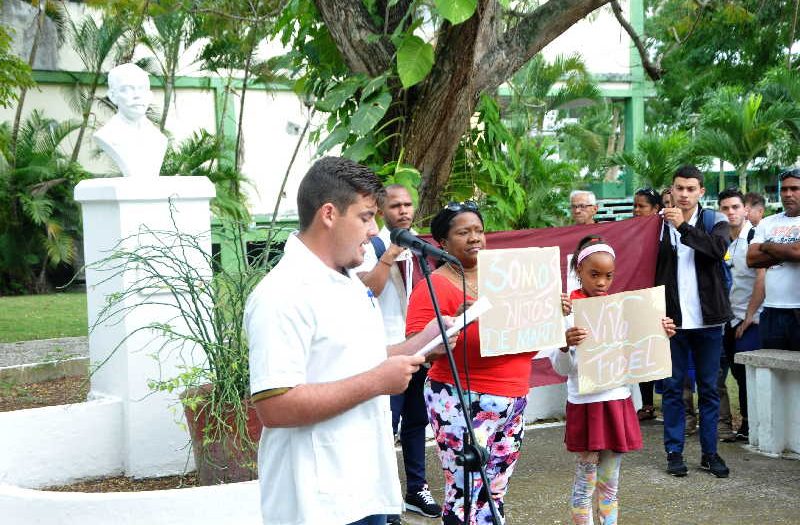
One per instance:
(337,136)
(361,149)
(414,60)
(457,11)
(372,86)
(337,96)
(369,113)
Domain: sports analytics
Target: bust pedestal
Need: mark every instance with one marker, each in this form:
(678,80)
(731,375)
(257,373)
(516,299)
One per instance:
(127,210)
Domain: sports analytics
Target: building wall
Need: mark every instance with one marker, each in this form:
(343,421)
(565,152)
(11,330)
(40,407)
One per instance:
(599,39)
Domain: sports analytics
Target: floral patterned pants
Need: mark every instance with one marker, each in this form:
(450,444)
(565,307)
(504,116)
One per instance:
(499,427)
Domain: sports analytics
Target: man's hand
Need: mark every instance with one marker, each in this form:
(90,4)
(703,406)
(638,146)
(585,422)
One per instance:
(744,325)
(394,374)
(669,326)
(392,253)
(674,216)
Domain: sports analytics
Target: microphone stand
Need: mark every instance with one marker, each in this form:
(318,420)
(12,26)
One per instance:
(472,457)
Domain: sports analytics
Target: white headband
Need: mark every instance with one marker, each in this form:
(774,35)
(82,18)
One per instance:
(595,248)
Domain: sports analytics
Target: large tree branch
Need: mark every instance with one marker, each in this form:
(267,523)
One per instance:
(356,37)
(653,70)
(529,36)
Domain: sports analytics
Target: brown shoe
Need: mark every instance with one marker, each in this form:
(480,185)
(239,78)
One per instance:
(646,413)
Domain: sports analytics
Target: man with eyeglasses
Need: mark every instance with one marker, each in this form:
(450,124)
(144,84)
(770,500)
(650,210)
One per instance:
(582,206)
(391,272)
(776,247)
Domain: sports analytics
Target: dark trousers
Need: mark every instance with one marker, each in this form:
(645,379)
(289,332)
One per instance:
(410,407)
(375,519)
(780,328)
(646,389)
(750,340)
(705,347)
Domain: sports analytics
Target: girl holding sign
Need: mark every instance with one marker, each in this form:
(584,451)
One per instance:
(603,425)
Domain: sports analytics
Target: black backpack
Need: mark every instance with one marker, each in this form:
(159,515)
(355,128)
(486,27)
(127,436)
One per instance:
(708,217)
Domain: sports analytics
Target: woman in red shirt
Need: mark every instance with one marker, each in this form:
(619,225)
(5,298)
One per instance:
(496,388)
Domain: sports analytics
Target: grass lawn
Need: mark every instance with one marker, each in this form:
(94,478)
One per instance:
(42,316)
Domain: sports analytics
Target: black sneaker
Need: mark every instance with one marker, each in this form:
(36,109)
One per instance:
(675,465)
(714,464)
(743,434)
(423,503)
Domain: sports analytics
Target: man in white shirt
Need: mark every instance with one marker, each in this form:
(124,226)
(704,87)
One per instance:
(389,271)
(776,247)
(319,366)
(746,296)
(692,247)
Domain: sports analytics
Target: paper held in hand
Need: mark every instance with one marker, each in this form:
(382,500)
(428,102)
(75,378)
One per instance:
(473,312)
(626,341)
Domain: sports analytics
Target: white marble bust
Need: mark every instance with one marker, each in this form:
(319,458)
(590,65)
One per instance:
(129,138)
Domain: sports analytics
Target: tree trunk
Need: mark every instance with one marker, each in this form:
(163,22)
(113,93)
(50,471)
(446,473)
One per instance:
(721,180)
(168,83)
(137,31)
(742,172)
(611,145)
(471,58)
(87,111)
(24,91)
(239,153)
(442,113)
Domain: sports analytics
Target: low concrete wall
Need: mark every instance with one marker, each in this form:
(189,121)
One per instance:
(37,372)
(773,386)
(232,504)
(546,402)
(59,444)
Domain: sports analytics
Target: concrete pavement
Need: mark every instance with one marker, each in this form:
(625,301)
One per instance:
(760,490)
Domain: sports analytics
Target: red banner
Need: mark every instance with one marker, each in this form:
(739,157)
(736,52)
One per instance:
(635,242)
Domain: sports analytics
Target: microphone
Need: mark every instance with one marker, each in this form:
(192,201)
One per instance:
(406,239)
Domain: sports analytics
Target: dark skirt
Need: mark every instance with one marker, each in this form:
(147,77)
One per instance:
(604,425)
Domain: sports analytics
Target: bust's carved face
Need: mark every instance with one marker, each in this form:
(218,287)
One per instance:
(130,91)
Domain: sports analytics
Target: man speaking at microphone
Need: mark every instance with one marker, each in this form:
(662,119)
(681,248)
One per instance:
(320,368)
(391,272)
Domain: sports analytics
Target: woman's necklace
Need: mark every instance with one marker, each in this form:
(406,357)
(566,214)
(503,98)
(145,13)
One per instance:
(471,288)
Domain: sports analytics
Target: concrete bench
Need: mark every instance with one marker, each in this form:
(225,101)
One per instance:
(773,399)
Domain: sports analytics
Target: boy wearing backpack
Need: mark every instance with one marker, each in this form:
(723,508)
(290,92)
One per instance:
(690,264)
(747,298)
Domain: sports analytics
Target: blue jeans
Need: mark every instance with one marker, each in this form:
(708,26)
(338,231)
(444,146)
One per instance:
(705,347)
(410,405)
(780,328)
(375,519)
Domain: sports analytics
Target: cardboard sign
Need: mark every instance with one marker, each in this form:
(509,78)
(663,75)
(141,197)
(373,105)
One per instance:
(524,287)
(626,341)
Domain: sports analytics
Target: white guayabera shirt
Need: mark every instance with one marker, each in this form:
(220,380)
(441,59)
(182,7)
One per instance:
(307,323)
